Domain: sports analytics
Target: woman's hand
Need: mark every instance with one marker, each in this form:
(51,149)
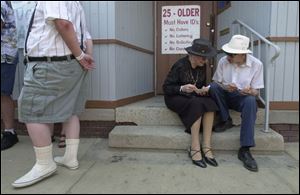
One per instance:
(203,91)
(188,88)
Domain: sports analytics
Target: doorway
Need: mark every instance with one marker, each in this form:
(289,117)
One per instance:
(165,61)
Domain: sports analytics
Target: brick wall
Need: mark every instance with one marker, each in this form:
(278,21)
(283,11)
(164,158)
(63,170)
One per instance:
(87,128)
(290,132)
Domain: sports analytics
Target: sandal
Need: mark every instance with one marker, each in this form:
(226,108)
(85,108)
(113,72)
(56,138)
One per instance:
(62,141)
(200,163)
(211,161)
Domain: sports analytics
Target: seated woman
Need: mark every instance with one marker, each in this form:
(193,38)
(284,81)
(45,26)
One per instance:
(186,94)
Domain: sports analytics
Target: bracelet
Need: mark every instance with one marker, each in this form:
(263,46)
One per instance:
(80,57)
(180,90)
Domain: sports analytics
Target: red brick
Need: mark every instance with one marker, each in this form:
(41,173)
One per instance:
(279,127)
(87,128)
(289,133)
(286,139)
(294,127)
(293,139)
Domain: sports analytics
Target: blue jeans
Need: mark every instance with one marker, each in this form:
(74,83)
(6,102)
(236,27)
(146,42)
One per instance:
(246,104)
(8,72)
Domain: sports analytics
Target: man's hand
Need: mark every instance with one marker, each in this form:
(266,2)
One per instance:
(249,91)
(87,62)
(231,87)
(67,32)
(188,88)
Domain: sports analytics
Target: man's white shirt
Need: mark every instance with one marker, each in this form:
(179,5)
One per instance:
(249,74)
(44,39)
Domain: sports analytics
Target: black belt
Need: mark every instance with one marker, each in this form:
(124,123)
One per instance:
(48,59)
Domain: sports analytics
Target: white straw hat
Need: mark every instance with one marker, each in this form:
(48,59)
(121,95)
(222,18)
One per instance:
(237,45)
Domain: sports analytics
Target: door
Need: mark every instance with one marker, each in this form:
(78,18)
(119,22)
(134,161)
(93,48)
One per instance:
(165,61)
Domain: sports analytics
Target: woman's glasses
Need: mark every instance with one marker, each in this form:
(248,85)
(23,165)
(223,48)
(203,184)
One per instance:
(204,57)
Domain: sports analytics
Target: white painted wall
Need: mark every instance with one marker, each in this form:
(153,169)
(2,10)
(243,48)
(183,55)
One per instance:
(270,19)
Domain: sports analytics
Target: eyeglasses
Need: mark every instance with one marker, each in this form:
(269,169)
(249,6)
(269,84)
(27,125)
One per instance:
(230,54)
(197,56)
(203,57)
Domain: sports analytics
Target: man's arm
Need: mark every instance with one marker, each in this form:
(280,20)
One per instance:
(89,47)
(66,30)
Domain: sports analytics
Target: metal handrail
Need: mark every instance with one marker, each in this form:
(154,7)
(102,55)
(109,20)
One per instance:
(266,65)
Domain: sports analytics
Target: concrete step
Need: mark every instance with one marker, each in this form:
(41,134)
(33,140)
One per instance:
(174,137)
(153,111)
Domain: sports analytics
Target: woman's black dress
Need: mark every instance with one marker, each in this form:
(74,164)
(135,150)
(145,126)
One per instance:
(189,106)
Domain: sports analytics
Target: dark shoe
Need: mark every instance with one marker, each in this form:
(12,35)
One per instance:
(249,162)
(8,140)
(221,127)
(200,163)
(62,141)
(210,161)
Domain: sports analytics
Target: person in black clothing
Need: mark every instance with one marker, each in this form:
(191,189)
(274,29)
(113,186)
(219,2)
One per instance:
(186,93)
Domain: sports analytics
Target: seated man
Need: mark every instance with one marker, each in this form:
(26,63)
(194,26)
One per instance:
(237,79)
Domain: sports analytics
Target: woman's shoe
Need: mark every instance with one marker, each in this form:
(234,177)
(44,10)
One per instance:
(210,161)
(200,163)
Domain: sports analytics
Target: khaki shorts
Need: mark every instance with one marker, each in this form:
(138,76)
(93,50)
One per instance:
(52,92)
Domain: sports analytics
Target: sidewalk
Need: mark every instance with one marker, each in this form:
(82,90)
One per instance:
(106,170)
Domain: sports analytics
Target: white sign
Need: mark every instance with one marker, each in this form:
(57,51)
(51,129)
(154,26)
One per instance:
(180,26)
(23,11)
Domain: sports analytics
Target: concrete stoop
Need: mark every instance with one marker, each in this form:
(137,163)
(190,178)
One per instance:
(174,137)
(160,128)
(153,111)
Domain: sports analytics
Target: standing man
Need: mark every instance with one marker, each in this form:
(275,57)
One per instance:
(54,84)
(9,60)
(237,79)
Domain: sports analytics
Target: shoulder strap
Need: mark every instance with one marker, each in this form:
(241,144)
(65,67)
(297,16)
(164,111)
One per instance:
(29,29)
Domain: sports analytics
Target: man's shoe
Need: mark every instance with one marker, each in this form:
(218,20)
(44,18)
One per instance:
(221,127)
(43,168)
(36,174)
(249,162)
(8,140)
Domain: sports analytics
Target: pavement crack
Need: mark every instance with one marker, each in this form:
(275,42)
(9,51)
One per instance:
(69,191)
